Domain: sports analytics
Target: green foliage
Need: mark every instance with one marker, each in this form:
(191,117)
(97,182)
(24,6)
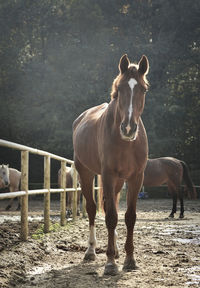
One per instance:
(59,58)
(39,233)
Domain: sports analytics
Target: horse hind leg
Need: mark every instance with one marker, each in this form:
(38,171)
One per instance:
(174,197)
(134,186)
(14,189)
(91,210)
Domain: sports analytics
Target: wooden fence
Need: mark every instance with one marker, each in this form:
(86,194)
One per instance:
(25,192)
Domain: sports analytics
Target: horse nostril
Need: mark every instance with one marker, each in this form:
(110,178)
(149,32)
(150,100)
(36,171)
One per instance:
(122,126)
(134,127)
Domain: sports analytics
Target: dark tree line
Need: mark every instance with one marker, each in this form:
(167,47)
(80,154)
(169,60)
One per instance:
(59,58)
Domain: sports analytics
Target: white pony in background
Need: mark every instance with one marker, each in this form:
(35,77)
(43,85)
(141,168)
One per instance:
(11,178)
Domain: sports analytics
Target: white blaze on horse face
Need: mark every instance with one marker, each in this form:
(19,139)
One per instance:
(132,82)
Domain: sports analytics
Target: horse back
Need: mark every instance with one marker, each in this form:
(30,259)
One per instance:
(164,170)
(86,136)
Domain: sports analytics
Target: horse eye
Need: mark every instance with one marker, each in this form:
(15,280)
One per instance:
(144,90)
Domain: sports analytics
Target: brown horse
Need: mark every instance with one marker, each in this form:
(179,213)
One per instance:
(110,140)
(69,195)
(170,171)
(10,178)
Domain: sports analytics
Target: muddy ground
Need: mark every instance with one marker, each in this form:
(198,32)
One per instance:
(167,251)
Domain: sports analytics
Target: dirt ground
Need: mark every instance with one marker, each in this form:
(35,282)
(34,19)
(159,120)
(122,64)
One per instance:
(167,251)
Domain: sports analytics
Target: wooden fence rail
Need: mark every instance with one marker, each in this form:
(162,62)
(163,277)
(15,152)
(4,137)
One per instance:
(25,192)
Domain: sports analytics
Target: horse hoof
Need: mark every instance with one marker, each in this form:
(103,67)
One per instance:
(68,213)
(90,257)
(171,216)
(129,265)
(181,216)
(111,269)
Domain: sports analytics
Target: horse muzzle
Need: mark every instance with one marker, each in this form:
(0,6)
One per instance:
(128,132)
(6,183)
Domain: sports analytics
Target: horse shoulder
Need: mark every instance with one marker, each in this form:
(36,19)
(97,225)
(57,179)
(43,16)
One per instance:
(14,173)
(90,115)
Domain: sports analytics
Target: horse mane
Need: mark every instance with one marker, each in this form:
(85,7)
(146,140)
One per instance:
(114,90)
(131,73)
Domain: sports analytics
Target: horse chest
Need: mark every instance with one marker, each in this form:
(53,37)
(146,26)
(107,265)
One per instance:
(121,164)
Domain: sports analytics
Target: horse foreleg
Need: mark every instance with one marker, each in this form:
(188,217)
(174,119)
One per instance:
(9,204)
(118,188)
(134,186)
(11,200)
(69,204)
(174,195)
(115,245)
(19,203)
(111,223)
(115,232)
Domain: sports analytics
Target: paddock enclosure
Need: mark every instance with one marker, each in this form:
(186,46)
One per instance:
(25,192)
(167,250)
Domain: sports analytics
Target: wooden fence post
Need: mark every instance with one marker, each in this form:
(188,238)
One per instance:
(47,184)
(74,209)
(24,199)
(63,194)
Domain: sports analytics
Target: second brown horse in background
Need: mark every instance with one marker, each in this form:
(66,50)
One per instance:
(170,171)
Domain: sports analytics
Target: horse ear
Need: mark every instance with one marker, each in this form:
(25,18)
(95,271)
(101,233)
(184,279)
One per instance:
(143,65)
(124,63)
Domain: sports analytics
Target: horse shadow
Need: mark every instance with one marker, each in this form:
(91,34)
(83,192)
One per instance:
(85,274)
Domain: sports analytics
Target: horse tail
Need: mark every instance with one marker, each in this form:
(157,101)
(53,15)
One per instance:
(101,199)
(188,181)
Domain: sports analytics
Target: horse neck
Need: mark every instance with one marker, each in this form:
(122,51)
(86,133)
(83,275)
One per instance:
(113,116)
